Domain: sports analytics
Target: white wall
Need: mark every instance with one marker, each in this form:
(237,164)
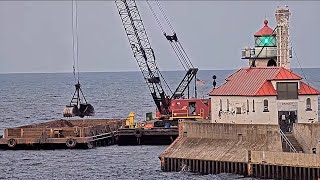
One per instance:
(260,117)
(308,116)
(257,117)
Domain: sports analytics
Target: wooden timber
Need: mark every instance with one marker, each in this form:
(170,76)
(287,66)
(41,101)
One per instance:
(62,134)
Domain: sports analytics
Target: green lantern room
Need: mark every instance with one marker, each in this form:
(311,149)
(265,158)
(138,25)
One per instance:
(265,47)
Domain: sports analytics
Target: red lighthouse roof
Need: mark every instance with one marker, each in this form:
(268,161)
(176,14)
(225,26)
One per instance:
(256,81)
(265,31)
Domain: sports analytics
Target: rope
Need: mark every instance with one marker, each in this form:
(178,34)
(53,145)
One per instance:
(164,80)
(185,53)
(73,46)
(172,29)
(165,16)
(181,55)
(173,47)
(176,45)
(155,16)
(295,54)
(77,38)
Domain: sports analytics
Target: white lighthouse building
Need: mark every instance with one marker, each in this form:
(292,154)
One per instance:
(266,92)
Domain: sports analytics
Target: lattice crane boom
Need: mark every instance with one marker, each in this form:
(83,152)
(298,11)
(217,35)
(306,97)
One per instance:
(143,51)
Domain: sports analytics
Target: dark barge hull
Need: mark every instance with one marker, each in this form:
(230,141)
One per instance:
(153,136)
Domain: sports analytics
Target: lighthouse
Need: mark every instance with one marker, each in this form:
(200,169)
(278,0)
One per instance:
(266,92)
(271,45)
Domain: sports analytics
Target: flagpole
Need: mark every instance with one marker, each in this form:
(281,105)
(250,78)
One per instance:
(188,91)
(195,86)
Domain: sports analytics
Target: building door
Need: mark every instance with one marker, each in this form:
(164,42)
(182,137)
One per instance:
(286,120)
(192,108)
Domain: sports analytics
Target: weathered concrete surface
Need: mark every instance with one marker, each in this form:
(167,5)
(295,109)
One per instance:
(285,159)
(307,135)
(223,142)
(252,133)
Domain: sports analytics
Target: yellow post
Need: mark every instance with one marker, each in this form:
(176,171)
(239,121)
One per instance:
(131,119)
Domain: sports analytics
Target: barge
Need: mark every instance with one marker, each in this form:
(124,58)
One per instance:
(150,132)
(147,136)
(62,134)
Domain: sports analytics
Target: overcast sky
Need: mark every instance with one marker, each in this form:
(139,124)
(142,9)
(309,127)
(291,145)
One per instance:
(37,36)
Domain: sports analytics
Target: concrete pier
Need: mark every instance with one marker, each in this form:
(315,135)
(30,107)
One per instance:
(248,150)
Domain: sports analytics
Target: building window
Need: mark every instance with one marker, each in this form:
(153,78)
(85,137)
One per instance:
(287,90)
(220,105)
(238,110)
(253,106)
(308,104)
(265,105)
(247,105)
(227,104)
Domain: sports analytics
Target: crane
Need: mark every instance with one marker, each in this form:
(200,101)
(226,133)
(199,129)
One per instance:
(145,56)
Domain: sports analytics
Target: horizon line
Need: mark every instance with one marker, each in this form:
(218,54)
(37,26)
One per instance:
(121,71)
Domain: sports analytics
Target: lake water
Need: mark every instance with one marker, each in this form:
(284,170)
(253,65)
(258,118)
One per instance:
(34,98)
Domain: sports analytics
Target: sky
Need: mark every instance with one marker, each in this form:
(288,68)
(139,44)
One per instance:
(36,36)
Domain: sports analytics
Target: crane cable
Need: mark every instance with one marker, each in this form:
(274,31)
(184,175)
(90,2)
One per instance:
(75,43)
(165,16)
(175,44)
(162,29)
(295,54)
(173,31)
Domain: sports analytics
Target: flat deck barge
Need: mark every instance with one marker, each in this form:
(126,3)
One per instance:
(62,134)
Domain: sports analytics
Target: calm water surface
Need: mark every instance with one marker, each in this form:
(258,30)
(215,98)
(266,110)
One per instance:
(34,98)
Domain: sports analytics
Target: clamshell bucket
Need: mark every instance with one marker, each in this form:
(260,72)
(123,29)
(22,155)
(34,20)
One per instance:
(71,111)
(86,110)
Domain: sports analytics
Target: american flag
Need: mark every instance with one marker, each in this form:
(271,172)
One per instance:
(200,82)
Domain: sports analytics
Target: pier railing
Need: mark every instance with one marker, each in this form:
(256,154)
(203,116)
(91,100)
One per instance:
(288,143)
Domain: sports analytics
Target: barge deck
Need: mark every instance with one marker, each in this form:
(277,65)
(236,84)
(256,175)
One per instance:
(62,134)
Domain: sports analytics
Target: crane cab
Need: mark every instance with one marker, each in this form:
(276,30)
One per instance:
(188,109)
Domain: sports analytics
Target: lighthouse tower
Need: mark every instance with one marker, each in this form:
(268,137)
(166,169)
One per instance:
(271,46)
(283,51)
